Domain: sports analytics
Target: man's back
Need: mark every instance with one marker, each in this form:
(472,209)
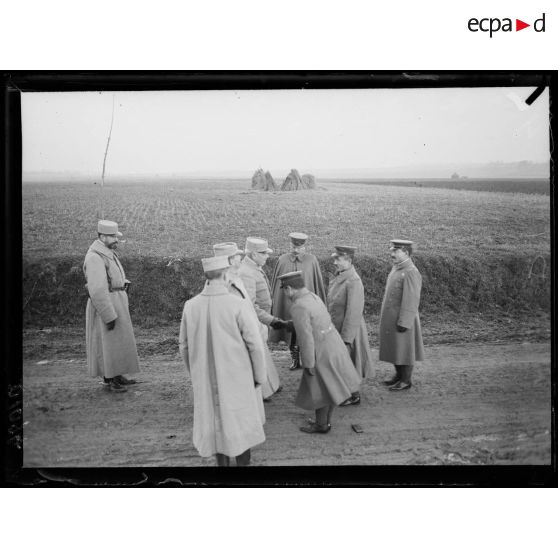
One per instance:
(221,329)
(222,349)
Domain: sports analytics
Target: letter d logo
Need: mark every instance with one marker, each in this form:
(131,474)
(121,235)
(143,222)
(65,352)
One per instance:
(540,21)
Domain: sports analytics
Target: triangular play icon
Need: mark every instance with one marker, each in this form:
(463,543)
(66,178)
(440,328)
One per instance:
(519,25)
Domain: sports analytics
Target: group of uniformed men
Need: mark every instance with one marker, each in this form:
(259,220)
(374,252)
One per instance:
(225,330)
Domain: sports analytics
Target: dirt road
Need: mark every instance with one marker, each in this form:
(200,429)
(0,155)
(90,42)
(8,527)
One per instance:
(471,404)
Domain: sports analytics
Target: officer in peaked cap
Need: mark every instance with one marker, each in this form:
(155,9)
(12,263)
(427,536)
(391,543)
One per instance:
(400,331)
(345,303)
(329,376)
(228,407)
(341,251)
(298,259)
(256,283)
(110,342)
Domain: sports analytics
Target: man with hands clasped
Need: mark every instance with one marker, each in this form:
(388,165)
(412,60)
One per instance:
(345,302)
(400,331)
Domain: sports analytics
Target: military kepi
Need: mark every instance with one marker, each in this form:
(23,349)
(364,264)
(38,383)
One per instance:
(227,249)
(293,279)
(254,244)
(108,227)
(298,238)
(215,263)
(343,251)
(398,243)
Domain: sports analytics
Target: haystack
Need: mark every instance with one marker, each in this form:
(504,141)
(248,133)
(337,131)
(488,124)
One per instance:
(258,180)
(293,181)
(269,182)
(309,181)
(263,181)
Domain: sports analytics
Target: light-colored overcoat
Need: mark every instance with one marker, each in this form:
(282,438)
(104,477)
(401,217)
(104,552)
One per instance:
(400,307)
(256,286)
(322,348)
(236,286)
(345,303)
(281,304)
(109,353)
(223,352)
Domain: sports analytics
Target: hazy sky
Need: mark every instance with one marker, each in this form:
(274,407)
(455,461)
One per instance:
(205,131)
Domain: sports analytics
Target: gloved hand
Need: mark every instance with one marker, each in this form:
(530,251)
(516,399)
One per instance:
(110,325)
(311,371)
(277,323)
(401,329)
(290,326)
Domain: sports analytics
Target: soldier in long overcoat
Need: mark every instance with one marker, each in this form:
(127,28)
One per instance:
(400,332)
(345,303)
(222,350)
(296,260)
(329,376)
(257,286)
(110,342)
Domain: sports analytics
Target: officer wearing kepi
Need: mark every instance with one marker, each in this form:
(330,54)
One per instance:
(256,284)
(400,332)
(345,303)
(110,342)
(329,376)
(236,286)
(296,260)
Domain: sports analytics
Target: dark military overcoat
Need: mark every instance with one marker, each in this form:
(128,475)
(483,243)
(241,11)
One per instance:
(322,348)
(313,281)
(345,303)
(400,307)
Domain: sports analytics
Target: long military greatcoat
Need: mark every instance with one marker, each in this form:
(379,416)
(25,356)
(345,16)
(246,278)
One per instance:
(345,303)
(400,307)
(109,353)
(256,286)
(236,286)
(313,281)
(322,348)
(222,350)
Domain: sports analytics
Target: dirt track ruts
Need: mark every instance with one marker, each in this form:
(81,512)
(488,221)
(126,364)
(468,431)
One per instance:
(470,404)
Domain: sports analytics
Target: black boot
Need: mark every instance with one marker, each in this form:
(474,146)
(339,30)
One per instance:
(295,358)
(353,400)
(397,378)
(222,460)
(405,381)
(320,425)
(243,460)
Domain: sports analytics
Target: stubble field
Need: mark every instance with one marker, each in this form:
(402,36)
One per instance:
(177,218)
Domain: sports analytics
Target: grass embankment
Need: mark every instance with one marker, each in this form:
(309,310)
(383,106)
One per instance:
(54,293)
